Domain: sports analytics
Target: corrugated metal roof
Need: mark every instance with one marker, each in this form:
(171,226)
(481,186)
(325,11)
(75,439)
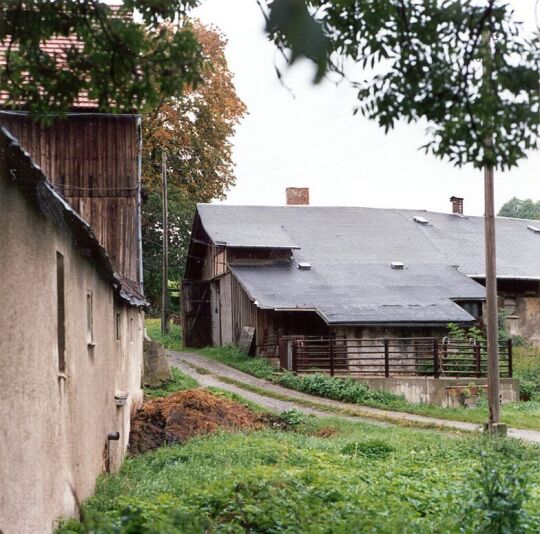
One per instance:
(351,251)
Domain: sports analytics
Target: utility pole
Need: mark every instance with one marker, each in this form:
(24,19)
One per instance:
(492,322)
(165,276)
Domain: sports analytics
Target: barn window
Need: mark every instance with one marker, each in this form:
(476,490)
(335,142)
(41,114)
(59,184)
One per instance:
(89,319)
(510,306)
(131,330)
(118,326)
(60,313)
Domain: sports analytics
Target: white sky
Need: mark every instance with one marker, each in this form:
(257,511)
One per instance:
(312,139)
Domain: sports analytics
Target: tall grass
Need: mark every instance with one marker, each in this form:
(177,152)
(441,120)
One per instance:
(362,478)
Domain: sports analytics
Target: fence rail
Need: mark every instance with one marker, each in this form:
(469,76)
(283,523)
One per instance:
(397,357)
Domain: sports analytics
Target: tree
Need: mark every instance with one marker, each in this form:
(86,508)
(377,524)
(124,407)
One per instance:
(521,209)
(122,64)
(195,131)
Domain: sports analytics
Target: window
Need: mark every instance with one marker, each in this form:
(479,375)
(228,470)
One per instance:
(131,336)
(473,307)
(510,306)
(118,326)
(60,313)
(89,319)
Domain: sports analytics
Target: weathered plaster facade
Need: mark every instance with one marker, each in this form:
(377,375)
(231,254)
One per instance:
(53,422)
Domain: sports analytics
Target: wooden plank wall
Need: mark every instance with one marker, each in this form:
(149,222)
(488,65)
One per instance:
(244,312)
(225,294)
(93,161)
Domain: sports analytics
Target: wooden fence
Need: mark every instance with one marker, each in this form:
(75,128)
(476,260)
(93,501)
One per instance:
(396,357)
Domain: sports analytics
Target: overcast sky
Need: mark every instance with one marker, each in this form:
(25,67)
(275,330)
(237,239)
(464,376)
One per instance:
(311,139)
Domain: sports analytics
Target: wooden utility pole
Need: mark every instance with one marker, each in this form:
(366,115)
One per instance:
(165,277)
(492,320)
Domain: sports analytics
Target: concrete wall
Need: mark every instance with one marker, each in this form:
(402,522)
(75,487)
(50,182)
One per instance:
(440,391)
(526,322)
(53,426)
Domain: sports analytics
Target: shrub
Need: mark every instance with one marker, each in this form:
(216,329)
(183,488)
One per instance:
(347,390)
(499,492)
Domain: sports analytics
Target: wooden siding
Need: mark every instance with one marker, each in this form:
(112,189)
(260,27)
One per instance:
(225,294)
(244,311)
(93,161)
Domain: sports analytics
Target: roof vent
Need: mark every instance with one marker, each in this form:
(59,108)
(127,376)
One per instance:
(397,265)
(304,266)
(534,229)
(420,220)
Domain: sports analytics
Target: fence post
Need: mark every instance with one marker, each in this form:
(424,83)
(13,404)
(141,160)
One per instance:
(386,359)
(510,370)
(436,358)
(295,355)
(478,359)
(331,356)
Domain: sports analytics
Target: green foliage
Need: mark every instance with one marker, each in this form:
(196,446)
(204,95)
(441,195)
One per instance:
(520,209)
(172,340)
(272,481)
(429,60)
(458,333)
(292,418)
(233,356)
(179,382)
(121,64)
(346,390)
(181,211)
(500,489)
(375,449)
(526,361)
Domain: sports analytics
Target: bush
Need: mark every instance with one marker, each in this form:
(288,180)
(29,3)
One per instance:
(346,390)
(499,490)
(527,369)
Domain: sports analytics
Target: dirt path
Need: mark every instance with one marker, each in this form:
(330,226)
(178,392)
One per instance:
(209,372)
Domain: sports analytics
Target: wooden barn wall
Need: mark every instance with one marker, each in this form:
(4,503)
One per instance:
(93,161)
(244,312)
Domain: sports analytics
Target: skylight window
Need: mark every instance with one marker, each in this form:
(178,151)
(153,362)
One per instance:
(397,265)
(304,266)
(420,220)
(534,229)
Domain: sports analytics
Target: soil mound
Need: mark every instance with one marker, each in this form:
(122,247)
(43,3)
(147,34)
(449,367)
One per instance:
(185,414)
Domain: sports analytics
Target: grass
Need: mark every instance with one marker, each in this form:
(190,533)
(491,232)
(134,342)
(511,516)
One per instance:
(172,340)
(179,382)
(362,478)
(519,415)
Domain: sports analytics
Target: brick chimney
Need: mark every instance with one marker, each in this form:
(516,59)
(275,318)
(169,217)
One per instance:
(457,205)
(297,196)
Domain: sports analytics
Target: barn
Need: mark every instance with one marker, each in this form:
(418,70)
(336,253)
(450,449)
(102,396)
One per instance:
(355,273)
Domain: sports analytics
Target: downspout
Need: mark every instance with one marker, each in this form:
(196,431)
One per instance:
(139,202)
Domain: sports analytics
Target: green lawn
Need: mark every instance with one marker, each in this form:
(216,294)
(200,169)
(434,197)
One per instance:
(363,478)
(172,340)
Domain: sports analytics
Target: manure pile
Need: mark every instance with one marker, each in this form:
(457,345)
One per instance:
(185,414)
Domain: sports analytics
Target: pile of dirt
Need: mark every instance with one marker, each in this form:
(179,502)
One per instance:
(185,414)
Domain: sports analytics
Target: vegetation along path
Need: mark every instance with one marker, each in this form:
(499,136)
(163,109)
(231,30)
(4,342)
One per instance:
(277,398)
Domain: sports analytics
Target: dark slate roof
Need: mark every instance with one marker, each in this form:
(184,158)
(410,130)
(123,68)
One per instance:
(370,235)
(41,193)
(362,294)
(350,251)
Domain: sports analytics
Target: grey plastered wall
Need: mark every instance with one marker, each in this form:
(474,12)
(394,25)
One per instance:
(53,428)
